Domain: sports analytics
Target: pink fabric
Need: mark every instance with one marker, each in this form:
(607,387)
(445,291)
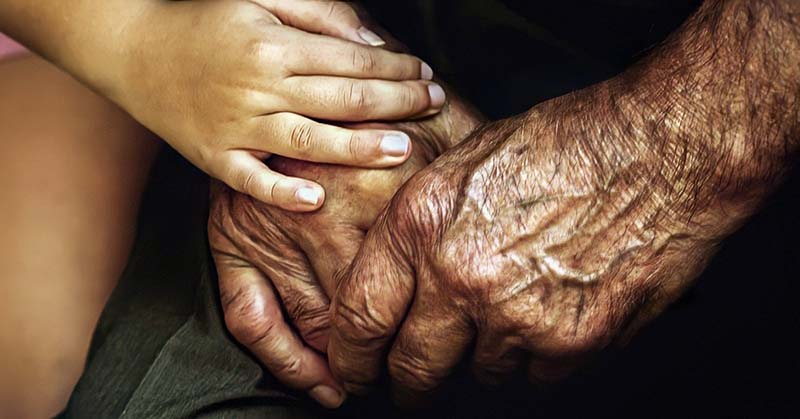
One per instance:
(8,47)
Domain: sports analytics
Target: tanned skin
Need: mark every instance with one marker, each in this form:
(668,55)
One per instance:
(547,237)
(543,239)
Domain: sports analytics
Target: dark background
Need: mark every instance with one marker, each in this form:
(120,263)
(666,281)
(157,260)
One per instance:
(727,349)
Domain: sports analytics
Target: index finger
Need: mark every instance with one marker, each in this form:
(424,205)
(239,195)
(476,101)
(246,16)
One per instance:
(318,55)
(369,305)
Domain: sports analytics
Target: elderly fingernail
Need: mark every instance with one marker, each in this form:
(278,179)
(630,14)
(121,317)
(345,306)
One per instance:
(426,72)
(327,396)
(437,94)
(370,37)
(308,196)
(395,144)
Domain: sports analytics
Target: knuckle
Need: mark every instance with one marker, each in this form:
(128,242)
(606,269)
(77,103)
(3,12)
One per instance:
(364,61)
(413,67)
(412,373)
(583,339)
(412,99)
(259,50)
(357,147)
(361,326)
(592,340)
(314,334)
(249,181)
(422,205)
(311,318)
(292,367)
(302,139)
(356,98)
(245,318)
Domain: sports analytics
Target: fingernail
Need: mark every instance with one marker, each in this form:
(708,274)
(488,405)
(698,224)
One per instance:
(427,71)
(438,96)
(327,396)
(308,196)
(370,37)
(395,144)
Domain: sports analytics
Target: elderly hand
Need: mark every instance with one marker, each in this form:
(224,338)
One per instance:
(270,261)
(229,83)
(533,245)
(545,238)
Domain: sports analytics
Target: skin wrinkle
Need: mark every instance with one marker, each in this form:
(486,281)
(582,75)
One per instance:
(634,181)
(631,183)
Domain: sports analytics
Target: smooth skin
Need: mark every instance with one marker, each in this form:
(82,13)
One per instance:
(72,171)
(228,83)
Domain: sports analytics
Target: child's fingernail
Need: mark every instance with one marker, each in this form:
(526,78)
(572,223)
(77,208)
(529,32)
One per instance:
(370,37)
(395,144)
(308,196)
(438,96)
(427,71)
(327,396)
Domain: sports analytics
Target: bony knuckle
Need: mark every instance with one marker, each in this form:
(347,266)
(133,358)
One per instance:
(419,207)
(311,319)
(245,319)
(412,373)
(583,339)
(360,326)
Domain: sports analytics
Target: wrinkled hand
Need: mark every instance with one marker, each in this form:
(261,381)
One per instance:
(228,83)
(533,245)
(270,261)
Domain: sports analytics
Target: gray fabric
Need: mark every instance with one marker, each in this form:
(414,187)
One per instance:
(161,350)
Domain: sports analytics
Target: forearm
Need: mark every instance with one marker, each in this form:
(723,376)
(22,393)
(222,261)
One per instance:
(724,91)
(710,118)
(87,38)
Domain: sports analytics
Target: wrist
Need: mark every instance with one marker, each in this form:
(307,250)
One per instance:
(717,107)
(112,68)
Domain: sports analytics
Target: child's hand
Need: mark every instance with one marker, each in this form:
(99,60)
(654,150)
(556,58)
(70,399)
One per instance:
(228,83)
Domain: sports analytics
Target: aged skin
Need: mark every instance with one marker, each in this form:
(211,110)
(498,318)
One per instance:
(541,239)
(545,238)
(270,260)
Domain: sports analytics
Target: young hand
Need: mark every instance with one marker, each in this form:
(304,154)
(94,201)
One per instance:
(229,83)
